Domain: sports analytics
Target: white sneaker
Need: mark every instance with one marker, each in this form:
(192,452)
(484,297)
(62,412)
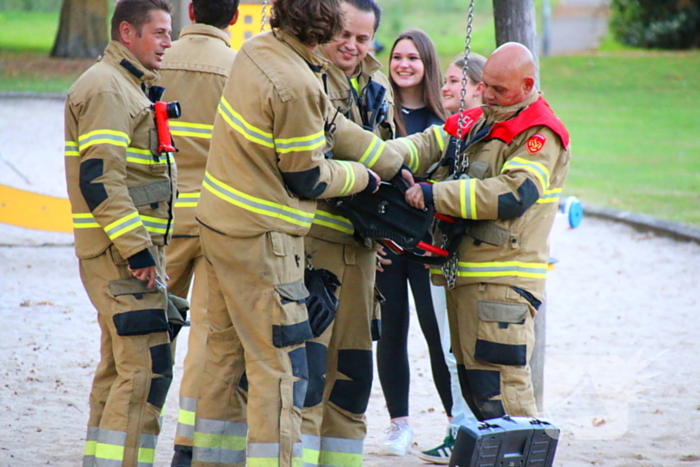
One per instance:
(399,439)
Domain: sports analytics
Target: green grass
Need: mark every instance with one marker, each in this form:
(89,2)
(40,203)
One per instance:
(633,119)
(28,31)
(633,114)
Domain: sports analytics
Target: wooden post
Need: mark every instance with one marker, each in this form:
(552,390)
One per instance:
(515,22)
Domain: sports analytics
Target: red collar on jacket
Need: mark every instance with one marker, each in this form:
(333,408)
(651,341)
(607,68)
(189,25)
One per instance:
(537,114)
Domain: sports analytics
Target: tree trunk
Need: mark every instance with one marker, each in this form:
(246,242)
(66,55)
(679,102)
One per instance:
(515,22)
(82,31)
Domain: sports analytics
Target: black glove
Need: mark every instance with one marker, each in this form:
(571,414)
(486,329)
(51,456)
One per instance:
(322,302)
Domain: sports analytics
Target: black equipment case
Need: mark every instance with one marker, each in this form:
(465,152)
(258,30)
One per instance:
(506,442)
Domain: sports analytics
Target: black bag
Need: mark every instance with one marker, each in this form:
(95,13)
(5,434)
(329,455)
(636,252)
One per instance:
(386,217)
(505,442)
(321,303)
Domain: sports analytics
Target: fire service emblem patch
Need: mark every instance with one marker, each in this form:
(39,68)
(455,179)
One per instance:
(536,143)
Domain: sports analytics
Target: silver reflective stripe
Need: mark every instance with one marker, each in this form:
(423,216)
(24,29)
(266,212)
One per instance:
(219,441)
(539,170)
(312,450)
(497,269)
(116,138)
(371,155)
(349,446)
(187,200)
(259,452)
(333,221)
(145,157)
(71,149)
(248,131)
(257,205)
(185,421)
(155,225)
(123,225)
(191,130)
(90,446)
(304,143)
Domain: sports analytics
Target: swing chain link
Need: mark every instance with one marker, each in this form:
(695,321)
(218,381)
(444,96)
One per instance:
(461,161)
(263,18)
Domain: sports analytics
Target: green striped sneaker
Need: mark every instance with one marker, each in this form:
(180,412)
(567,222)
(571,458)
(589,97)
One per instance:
(442,453)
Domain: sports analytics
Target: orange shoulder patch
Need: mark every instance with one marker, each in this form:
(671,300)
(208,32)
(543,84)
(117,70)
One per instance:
(535,143)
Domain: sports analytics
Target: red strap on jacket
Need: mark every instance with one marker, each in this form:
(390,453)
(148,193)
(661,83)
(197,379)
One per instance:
(538,114)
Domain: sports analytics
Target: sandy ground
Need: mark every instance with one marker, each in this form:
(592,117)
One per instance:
(621,378)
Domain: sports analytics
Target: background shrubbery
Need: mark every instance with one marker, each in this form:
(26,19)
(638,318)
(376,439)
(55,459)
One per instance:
(662,24)
(30,5)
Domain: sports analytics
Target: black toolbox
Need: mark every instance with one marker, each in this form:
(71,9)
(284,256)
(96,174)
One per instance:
(506,442)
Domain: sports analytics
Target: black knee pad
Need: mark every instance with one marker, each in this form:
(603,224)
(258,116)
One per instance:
(353,394)
(300,369)
(478,386)
(316,356)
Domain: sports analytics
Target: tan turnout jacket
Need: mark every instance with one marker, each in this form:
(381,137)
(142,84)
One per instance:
(194,72)
(266,163)
(513,203)
(328,224)
(121,191)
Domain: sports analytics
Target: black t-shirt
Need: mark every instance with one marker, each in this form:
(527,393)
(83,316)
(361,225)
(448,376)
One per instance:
(417,120)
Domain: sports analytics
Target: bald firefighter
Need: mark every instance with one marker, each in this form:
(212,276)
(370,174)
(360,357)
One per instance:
(121,186)
(194,72)
(506,182)
(266,168)
(340,360)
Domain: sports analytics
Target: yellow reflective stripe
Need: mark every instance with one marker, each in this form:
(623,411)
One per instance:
(146,455)
(210,441)
(371,155)
(311,456)
(270,462)
(71,149)
(333,221)
(256,205)
(187,200)
(109,451)
(440,135)
(116,138)
(191,130)
(550,196)
(155,224)
(436,271)
(467,201)
(238,123)
(342,459)
(503,268)
(125,224)
(186,417)
(145,157)
(84,221)
(349,178)
(413,161)
(90,448)
(300,144)
(537,169)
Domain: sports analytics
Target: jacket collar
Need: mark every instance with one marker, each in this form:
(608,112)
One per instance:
(367,67)
(315,61)
(499,114)
(127,64)
(206,30)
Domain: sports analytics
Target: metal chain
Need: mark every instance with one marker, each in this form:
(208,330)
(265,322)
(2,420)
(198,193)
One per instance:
(263,18)
(461,161)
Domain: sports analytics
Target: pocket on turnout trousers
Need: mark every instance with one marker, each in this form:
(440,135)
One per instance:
(292,326)
(502,337)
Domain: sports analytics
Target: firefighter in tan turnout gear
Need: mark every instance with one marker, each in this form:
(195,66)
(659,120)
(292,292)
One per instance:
(517,152)
(266,167)
(194,72)
(340,360)
(121,190)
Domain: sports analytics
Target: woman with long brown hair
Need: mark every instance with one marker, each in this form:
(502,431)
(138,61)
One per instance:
(416,80)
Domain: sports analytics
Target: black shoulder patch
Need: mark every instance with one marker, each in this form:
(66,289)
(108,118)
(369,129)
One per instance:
(305,184)
(509,207)
(94,193)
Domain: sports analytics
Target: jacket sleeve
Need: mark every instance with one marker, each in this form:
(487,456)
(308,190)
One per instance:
(523,179)
(104,132)
(421,150)
(353,143)
(299,140)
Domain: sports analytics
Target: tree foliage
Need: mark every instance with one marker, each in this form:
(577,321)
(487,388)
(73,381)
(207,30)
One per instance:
(664,24)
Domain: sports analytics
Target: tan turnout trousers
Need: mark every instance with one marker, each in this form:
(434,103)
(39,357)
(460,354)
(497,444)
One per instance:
(257,327)
(135,369)
(334,410)
(185,260)
(493,336)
